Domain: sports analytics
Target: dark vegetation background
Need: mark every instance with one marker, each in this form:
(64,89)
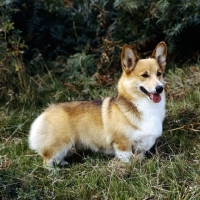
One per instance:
(79,42)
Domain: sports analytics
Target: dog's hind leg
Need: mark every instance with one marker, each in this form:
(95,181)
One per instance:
(51,158)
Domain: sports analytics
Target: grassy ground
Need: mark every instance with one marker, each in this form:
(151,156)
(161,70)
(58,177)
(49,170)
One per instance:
(173,172)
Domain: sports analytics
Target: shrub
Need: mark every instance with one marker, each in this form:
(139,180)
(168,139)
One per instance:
(36,35)
(147,22)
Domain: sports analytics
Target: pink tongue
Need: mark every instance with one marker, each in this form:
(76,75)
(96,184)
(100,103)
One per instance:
(155,97)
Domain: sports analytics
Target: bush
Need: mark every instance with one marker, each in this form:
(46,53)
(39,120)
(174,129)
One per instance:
(36,35)
(145,23)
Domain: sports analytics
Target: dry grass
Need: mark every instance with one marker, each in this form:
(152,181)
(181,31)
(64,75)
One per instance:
(171,173)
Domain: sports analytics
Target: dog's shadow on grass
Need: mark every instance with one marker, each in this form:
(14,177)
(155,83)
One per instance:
(80,157)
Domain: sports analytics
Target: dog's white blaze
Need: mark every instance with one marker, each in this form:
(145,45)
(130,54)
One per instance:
(157,83)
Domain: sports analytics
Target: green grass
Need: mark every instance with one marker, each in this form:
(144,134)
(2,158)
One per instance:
(173,172)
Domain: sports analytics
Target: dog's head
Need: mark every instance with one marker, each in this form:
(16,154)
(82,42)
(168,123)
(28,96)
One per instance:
(144,76)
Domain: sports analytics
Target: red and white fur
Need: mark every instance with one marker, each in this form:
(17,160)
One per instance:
(115,125)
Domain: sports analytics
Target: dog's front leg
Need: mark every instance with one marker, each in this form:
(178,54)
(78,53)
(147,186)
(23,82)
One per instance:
(123,152)
(141,148)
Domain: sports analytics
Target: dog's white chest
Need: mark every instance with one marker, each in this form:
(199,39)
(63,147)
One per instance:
(150,125)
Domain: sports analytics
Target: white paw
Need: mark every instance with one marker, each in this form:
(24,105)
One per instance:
(123,155)
(63,162)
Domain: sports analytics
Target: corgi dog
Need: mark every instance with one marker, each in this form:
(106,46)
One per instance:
(130,122)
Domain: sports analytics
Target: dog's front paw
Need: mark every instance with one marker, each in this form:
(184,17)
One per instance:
(63,162)
(123,155)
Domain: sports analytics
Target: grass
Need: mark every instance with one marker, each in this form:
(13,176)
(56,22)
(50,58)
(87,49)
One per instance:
(173,172)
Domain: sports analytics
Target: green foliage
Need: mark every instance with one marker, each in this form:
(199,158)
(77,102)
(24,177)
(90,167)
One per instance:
(12,69)
(148,22)
(181,29)
(63,28)
(57,28)
(52,37)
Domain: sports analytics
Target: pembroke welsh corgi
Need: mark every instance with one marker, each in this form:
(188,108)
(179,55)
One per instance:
(130,122)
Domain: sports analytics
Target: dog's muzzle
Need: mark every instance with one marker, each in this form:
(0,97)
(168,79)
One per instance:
(155,97)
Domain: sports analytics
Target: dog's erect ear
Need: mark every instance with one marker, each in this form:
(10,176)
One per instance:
(160,54)
(128,59)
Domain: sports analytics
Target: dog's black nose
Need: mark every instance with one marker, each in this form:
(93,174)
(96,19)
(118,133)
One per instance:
(159,89)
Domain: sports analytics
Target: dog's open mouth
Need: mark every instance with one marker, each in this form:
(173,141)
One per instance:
(155,97)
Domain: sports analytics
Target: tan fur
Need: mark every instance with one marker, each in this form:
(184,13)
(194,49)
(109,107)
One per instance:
(113,125)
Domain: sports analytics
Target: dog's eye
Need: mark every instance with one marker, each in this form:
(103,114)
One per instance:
(159,73)
(145,75)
